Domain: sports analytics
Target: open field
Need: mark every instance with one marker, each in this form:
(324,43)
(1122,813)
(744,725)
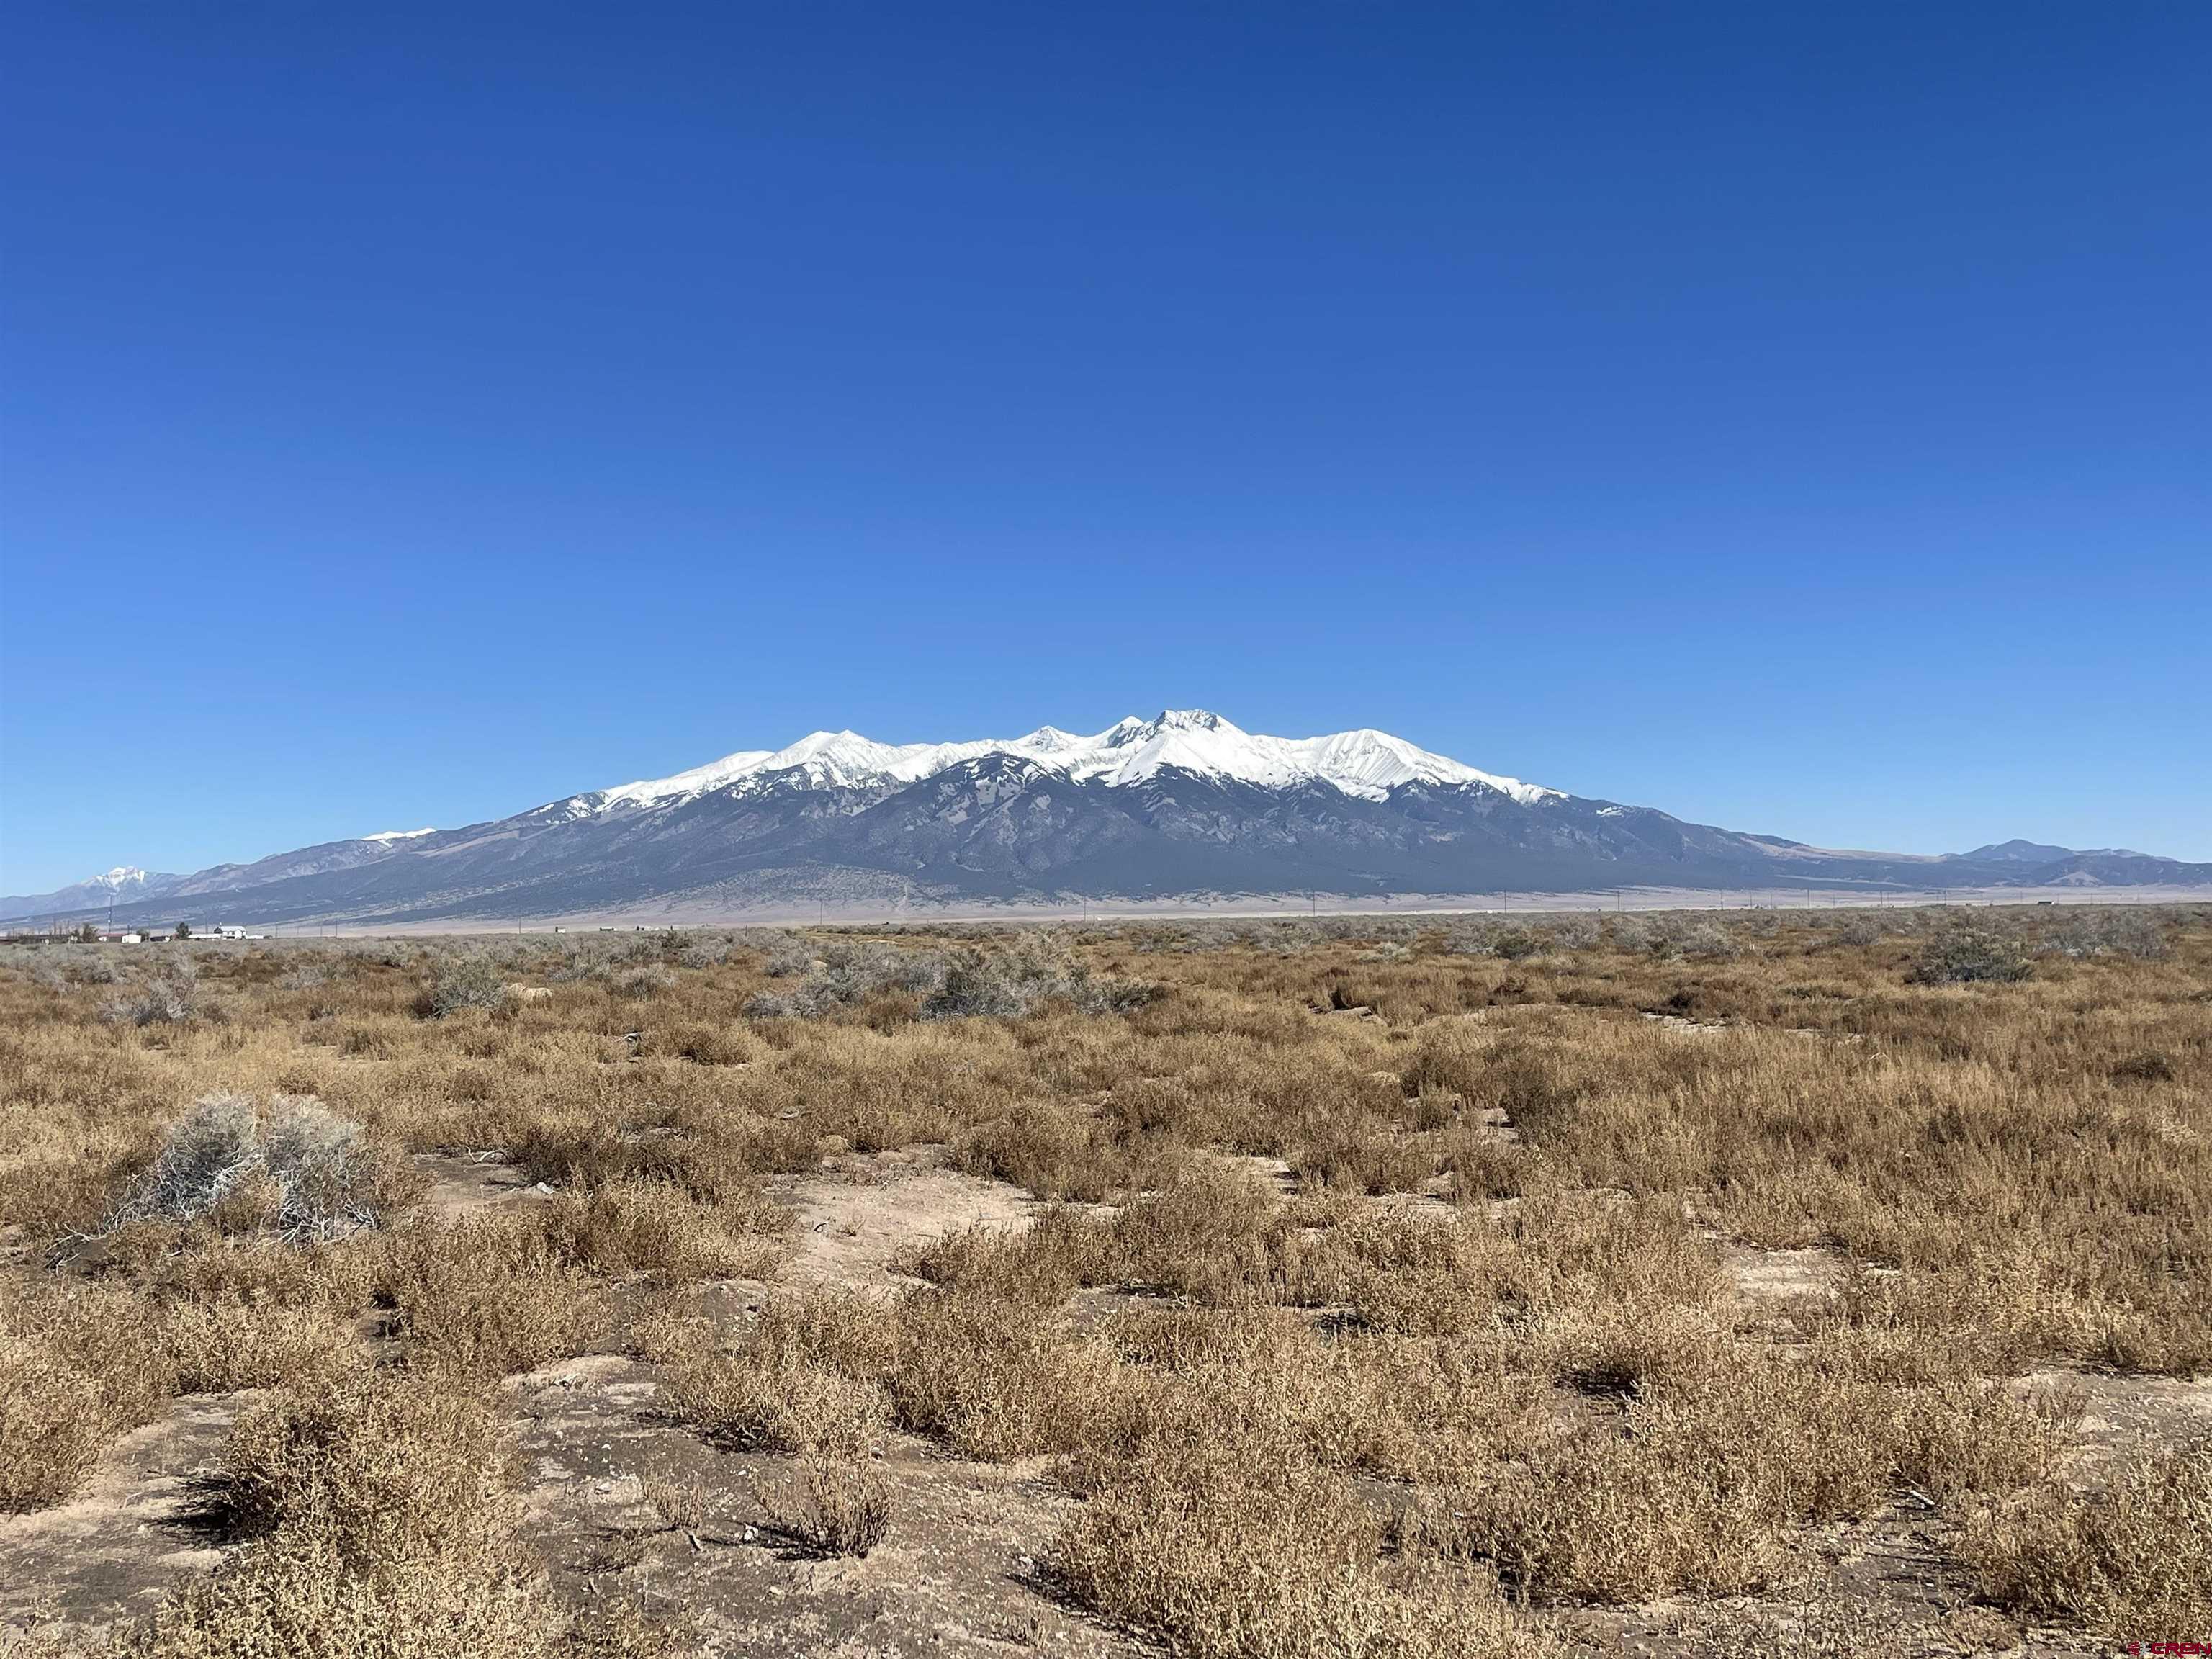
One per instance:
(1773,1282)
(831,910)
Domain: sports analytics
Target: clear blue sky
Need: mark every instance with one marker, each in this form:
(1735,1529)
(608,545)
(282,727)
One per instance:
(1796,417)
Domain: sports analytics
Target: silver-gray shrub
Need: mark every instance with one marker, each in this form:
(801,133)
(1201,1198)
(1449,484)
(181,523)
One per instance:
(472,981)
(1632,935)
(977,986)
(1516,944)
(321,1168)
(786,958)
(304,976)
(644,979)
(1961,953)
(1709,939)
(851,974)
(1038,970)
(168,995)
(1856,928)
(1170,941)
(326,1183)
(967,983)
(2139,934)
(1471,936)
(708,950)
(605,959)
(1666,934)
(575,959)
(207,1152)
(1578,930)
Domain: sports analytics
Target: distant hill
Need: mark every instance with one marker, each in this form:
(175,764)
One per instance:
(1184,804)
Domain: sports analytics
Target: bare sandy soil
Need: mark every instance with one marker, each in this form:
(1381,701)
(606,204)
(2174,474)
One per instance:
(862,1212)
(132,1533)
(464,1184)
(958,1573)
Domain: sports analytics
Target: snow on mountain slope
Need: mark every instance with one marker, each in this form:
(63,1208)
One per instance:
(697,781)
(126,883)
(1365,763)
(400,835)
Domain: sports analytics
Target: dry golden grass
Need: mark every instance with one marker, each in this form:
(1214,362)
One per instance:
(2135,1556)
(1352,1334)
(1229,1548)
(380,1523)
(778,1400)
(488,1296)
(833,1506)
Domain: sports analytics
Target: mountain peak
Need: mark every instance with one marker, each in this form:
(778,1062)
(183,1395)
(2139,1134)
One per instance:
(1365,763)
(1048,740)
(1185,803)
(1128,733)
(2018,851)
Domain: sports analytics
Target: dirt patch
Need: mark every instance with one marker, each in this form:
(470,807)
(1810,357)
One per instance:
(862,1212)
(131,1535)
(464,1184)
(1889,1587)
(957,1574)
(1432,1202)
(1774,1287)
(1687,1027)
(2119,1409)
(1274,1173)
(1770,1277)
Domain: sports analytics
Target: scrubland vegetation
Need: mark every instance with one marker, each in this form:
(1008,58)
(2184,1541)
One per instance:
(1460,1285)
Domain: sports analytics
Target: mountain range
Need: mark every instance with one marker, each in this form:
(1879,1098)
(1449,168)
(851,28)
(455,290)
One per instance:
(1184,806)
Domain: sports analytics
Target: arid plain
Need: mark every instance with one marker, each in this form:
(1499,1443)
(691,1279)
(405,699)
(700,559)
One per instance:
(1769,1283)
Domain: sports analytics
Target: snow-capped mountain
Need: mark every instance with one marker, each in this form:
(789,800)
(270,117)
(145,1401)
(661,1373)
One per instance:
(1366,763)
(121,886)
(1185,804)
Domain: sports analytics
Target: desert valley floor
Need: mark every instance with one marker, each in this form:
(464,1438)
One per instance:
(1805,1283)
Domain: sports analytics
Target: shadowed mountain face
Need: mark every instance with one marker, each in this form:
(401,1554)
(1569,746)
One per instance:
(1184,804)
